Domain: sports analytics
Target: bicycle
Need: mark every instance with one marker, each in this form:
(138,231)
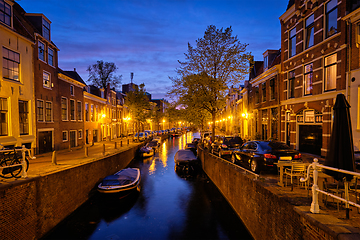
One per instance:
(11,162)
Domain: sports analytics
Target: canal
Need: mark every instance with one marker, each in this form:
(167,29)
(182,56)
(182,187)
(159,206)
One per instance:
(168,206)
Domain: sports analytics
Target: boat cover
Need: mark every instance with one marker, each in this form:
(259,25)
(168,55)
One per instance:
(184,155)
(123,177)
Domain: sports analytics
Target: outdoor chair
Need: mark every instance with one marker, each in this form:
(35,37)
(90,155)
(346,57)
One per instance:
(281,162)
(297,171)
(335,188)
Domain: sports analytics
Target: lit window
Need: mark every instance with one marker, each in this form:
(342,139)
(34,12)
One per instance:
(92,117)
(309,31)
(48,111)
(308,79)
(46,80)
(331,18)
(64,115)
(46,30)
(40,110)
(23,117)
(11,61)
(86,112)
(41,47)
(50,57)
(5,13)
(291,84)
(3,117)
(292,42)
(330,72)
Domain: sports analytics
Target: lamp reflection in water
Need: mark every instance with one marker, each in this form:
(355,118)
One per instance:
(164,154)
(152,166)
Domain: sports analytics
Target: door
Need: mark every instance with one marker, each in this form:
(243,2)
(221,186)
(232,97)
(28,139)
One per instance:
(95,135)
(45,142)
(310,139)
(72,139)
(288,133)
(87,136)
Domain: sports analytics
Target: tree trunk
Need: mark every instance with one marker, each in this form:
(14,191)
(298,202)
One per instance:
(213,116)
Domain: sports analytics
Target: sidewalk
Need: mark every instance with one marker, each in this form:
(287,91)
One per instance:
(69,158)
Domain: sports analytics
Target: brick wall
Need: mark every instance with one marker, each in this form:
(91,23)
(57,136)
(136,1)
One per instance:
(31,208)
(265,214)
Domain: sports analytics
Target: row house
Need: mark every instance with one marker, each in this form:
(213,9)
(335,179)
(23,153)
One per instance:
(314,50)
(264,101)
(17,121)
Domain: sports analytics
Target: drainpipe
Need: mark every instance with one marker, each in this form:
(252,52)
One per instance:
(348,23)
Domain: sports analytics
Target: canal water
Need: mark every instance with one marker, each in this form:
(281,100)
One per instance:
(168,206)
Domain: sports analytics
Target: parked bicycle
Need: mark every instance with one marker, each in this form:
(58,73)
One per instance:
(11,161)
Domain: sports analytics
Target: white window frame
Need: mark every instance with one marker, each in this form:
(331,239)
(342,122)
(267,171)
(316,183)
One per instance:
(45,84)
(42,110)
(330,68)
(40,43)
(66,136)
(66,109)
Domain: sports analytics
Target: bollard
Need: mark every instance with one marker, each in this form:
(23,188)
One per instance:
(53,159)
(128,142)
(115,145)
(23,162)
(86,151)
(120,143)
(104,149)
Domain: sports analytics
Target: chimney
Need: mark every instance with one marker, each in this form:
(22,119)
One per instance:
(74,69)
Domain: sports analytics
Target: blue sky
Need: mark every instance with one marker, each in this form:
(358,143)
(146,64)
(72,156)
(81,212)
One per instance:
(148,37)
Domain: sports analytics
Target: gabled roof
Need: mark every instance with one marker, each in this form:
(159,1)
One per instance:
(72,74)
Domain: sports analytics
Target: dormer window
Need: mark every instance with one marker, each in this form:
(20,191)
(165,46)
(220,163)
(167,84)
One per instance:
(266,62)
(5,13)
(46,29)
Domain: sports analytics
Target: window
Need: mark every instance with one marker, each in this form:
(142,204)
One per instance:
(309,24)
(292,43)
(50,57)
(330,72)
(96,113)
(79,111)
(23,117)
(331,18)
(11,61)
(48,111)
(72,109)
(64,115)
(92,113)
(3,117)
(46,30)
(291,84)
(257,95)
(41,51)
(308,79)
(266,62)
(72,90)
(5,13)
(272,89)
(263,88)
(46,80)
(80,134)
(40,110)
(86,112)
(65,136)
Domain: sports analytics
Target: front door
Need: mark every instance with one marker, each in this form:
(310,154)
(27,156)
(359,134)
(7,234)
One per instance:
(310,139)
(72,138)
(45,142)
(95,135)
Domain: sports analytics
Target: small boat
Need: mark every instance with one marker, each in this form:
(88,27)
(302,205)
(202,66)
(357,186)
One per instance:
(185,159)
(124,181)
(192,147)
(146,151)
(153,144)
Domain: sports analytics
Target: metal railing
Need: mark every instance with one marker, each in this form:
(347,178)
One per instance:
(315,188)
(23,163)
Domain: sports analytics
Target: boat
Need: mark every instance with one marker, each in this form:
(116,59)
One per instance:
(124,182)
(192,147)
(153,144)
(185,160)
(146,151)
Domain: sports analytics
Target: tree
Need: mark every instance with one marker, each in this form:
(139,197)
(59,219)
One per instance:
(102,73)
(139,105)
(218,62)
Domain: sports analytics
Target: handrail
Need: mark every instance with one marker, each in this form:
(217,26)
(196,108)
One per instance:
(315,188)
(23,162)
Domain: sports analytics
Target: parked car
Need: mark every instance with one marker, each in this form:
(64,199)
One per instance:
(204,138)
(142,136)
(149,133)
(262,155)
(225,145)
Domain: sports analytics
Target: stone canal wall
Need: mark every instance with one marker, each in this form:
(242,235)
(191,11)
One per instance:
(267,215)
(32,207)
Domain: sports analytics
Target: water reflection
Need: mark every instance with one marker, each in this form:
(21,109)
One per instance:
(167,207)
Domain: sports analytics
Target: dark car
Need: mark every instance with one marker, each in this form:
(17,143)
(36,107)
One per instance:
(225,145)
(262,155)
(357,159)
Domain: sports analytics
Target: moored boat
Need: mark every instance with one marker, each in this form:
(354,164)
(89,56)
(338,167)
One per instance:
(146,151)
(185,159)
(124,181)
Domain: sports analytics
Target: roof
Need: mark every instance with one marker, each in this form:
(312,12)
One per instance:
(73,74)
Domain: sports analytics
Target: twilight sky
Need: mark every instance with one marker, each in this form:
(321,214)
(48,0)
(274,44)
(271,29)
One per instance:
(148,37)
